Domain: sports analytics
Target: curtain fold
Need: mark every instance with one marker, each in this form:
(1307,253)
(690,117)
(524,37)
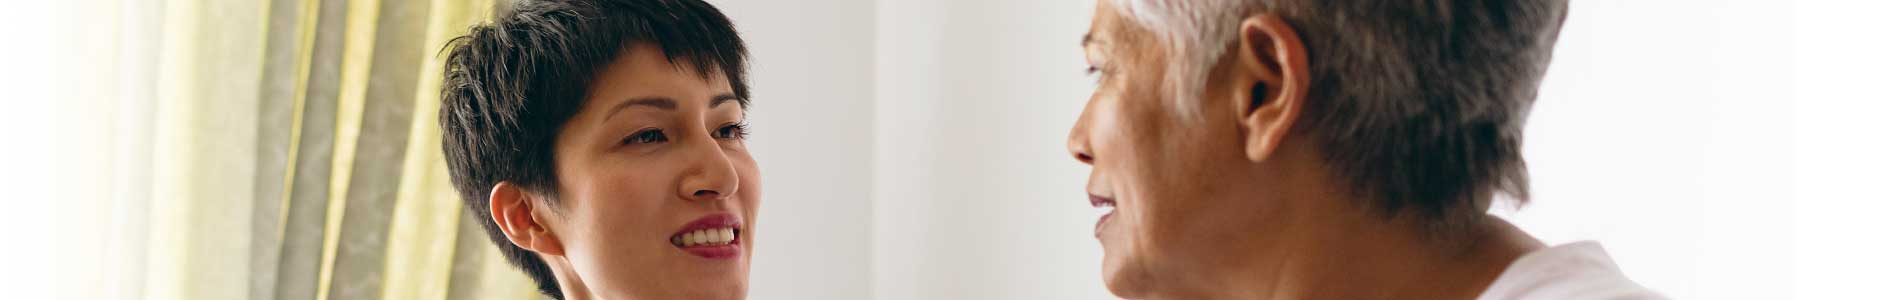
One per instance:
(295,154)
(209,63)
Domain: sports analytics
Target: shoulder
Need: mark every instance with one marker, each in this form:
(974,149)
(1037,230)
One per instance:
(1579,270)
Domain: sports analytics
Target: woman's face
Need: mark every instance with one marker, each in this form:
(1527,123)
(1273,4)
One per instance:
(657,190)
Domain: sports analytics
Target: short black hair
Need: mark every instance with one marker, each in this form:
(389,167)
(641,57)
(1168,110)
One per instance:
(510,85)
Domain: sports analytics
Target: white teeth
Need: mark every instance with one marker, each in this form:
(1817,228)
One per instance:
(713,236)
(1101,210)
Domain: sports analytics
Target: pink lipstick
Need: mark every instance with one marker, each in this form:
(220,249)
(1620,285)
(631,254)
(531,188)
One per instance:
(714,236)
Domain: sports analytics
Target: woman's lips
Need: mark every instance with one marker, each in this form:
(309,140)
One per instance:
(714,236)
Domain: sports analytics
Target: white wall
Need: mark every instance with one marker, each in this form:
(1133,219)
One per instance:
(1724,149)
(1627,140)
(811,124)
(976,196)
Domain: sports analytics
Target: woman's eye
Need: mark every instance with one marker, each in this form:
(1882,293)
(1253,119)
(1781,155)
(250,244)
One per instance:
(647,136)
(734,131)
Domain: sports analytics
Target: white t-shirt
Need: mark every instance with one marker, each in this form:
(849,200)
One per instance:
(1578,270)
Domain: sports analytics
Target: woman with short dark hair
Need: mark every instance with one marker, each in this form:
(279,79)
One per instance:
(601,144)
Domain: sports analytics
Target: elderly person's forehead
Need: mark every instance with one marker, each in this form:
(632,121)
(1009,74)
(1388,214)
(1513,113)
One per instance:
(1100,26)
(1109,27)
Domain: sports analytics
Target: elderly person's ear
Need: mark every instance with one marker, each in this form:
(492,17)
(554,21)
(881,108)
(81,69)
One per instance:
(1271,82)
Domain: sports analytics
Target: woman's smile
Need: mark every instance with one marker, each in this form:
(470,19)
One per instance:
(715,236)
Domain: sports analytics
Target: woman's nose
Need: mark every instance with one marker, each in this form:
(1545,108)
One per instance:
(710,176)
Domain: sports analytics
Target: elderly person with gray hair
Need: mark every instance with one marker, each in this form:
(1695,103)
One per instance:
(1315,149)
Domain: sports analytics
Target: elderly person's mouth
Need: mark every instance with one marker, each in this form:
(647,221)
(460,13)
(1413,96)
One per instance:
(714,236)
(1104,206)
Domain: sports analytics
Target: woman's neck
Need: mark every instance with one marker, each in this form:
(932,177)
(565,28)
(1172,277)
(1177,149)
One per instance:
(572,288)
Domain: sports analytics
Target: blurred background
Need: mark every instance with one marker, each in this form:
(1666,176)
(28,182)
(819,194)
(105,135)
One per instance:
(911,149)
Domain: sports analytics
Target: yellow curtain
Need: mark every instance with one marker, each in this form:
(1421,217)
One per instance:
(295,155)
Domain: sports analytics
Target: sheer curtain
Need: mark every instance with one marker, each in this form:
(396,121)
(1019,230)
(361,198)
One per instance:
(281,149)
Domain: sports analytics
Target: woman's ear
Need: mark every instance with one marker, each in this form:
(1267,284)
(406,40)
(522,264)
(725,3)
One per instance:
(1270,81)
(519,214)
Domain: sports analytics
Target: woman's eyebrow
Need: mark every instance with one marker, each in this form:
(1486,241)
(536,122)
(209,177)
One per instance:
(661,103)
(727,97)
(668,104)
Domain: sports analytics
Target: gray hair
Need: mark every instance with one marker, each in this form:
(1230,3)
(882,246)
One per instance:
(1418,104)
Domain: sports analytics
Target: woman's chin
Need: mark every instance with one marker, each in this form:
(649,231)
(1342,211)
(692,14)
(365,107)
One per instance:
(734,289)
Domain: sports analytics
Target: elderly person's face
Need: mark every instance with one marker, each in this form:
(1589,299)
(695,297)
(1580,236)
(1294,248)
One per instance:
(1185,192)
